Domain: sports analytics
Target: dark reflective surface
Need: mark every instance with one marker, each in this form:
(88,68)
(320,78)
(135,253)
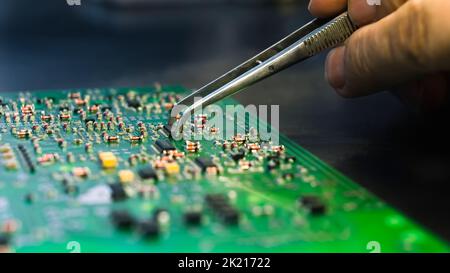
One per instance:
(374,140)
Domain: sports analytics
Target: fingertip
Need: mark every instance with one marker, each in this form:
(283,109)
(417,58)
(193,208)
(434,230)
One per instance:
(335,70)
(361,12)
(345,92)
(326,8)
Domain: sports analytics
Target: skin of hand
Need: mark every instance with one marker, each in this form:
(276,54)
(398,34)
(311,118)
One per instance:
(401,45)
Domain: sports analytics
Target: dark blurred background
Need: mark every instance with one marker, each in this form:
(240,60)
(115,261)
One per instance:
(401,157)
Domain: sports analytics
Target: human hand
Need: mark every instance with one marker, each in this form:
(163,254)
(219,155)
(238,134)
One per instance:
(402,45)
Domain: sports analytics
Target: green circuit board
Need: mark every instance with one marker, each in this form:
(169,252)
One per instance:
(96,170)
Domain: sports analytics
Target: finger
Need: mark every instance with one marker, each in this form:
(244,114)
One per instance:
(361,12)
(393,50)
(334,70)
(388,6)
(326,8)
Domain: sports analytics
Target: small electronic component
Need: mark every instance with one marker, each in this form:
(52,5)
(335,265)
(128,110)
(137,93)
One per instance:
(126,176)
(26,156)
(47,159)
(207,165)
(313,204)
(108,160)
(81,172)
(24,133)
(4,242)
(122,219)
(278,148)
(133,103)
(164,146)
(112,139)
(161,216)
(29,198)
(172,168)
(240,154)
(147,173)
(193,218)
(118,192)
(290,159)
(136,139)
(8,157)
(222,208)
(148,228)
(167,129)
(192,146)
(239,139)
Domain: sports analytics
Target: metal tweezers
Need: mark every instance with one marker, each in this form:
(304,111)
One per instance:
(307,41)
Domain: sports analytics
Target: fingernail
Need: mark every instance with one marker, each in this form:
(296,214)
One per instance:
(334,68)
(309,5)
(361,13)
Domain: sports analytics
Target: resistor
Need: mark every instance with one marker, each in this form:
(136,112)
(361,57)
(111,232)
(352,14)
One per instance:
(112,139)
(88,147)
(133,160)
(97,126)
(62,143)
(103,126)
(121,126)
(111,125)
(70,157)
(37,148)
(65,126)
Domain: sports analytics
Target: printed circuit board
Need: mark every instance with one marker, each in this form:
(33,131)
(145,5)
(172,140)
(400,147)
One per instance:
(96,170)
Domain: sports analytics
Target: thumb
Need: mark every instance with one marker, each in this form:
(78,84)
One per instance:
(409,43)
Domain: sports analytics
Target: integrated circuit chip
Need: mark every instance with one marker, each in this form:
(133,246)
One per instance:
(147,173)
(164,146)
(206,164)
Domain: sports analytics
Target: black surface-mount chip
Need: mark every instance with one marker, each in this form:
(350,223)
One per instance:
(167,129)
(309,199)
(117,192)
(317,208)
(148,228)
(220,205)
(122,219)
(4,240)
(216,199)
(229,216)
(147,173)
(238,155)
(204,163)
(133,103)
(313,204)
(164,146)
(193,218)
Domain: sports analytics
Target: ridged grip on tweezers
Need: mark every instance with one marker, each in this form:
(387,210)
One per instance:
(330,35)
